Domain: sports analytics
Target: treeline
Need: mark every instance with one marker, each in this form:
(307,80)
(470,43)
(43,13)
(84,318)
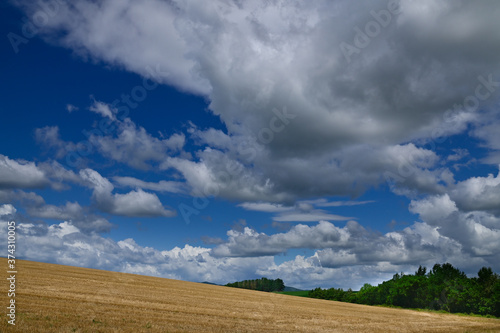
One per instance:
(259,284)
(442,288)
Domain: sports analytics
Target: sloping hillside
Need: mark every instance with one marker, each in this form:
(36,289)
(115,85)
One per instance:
(55,298)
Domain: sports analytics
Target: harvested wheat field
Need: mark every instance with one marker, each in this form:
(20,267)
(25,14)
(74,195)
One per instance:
(55,298)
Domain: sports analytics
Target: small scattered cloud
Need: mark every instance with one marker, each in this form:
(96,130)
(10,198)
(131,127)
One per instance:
(325,203)
(70,108)
(50,137)
(458,154)
(310,216)
(212,240)
(302,211)
(103,109)
(133,145)
(265,207)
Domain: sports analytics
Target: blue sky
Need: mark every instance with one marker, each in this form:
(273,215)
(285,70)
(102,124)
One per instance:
(328,144)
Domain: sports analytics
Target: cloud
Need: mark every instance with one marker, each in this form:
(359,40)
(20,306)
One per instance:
(7,210)
(307,273)
(478,194)
(161,186)
(212,240)
(273,180)
(274,70)
(458,154)
(20,174)
(477,232)
(217,174)
(70,108)
(434,208)
(98,183)
(14,196)
(467,240)
(487,132)
(35,208)
(65,244)
(251,243)
(303,211)
(103,109)
(265,207)
(279,208)
(117,139)
(51,138)
(59,213)
(248,173)
(347,246)
(139,203)
(326,203)
(59,175)
(133,204)
(310,216)
(134,146)
(350,256)
(72,213)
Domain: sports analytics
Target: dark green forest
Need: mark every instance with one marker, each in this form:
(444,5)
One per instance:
(444,287)
(262,284)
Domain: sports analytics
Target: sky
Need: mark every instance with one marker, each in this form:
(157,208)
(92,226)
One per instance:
(326,143)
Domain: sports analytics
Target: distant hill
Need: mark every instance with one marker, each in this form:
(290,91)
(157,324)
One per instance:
(206,282)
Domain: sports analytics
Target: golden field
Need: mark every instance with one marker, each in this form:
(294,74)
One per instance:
(56,298)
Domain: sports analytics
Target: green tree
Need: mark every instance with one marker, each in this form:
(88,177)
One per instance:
(444,287)
(367,294)
(421,271)
(263,284)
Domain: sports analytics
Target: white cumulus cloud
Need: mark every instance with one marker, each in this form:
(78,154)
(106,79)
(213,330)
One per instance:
(136,203)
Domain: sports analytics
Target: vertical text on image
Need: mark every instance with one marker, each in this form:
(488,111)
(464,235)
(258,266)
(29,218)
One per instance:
(11,272)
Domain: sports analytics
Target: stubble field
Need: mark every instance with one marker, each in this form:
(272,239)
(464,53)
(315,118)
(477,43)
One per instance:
(55,298)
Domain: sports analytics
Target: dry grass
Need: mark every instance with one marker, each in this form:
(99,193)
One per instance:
(55,298)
